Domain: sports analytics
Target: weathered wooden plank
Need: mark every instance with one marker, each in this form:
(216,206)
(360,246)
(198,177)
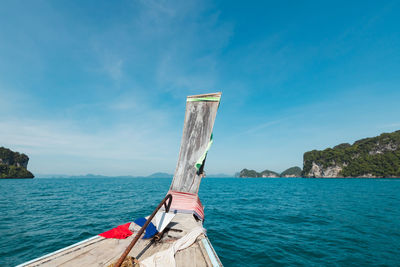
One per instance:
(197,130)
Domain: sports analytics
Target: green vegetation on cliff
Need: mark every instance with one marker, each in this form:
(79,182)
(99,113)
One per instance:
(249,173)
(255,174)
(292,172)
(268,173)
(13,164)
(375,157)
(12,171)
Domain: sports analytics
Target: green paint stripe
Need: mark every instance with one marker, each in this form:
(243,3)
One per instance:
(209,98)
(199,162)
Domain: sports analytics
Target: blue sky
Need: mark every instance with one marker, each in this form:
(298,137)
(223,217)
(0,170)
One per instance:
(100,86)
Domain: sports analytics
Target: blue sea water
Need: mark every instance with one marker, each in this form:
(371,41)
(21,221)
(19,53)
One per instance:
(250,222)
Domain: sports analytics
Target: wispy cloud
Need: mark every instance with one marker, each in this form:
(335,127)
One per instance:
(123,143)
(132,135)
(114,69)
(390,125)
(12,101)
(165,47)
(262,126)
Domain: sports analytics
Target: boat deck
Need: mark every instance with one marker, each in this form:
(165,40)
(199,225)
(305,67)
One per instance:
(100,251)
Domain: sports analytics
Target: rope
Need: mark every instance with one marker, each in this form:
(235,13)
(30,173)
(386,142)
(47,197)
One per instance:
(166,258)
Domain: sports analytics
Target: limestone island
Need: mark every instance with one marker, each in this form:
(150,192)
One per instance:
(291,172)
(375,157)
(13,164)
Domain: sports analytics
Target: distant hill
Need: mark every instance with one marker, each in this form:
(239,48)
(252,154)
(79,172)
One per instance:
(91,176)
(373,157)
(249,173)
(268,173)
(160,175)
(219,175)
(154,175)
(13,164)
(254,174)
(292,172)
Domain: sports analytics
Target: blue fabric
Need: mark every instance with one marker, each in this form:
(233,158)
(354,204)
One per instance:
(151,230)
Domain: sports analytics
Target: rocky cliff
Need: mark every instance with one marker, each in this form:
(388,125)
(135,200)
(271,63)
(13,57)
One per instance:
(370,157)
(13,164)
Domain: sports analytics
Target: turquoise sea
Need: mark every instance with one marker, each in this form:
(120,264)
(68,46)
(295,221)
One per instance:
(250,222)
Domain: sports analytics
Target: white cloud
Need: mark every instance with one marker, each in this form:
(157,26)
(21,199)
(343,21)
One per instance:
(114,68)
(113,149)
(164,46)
